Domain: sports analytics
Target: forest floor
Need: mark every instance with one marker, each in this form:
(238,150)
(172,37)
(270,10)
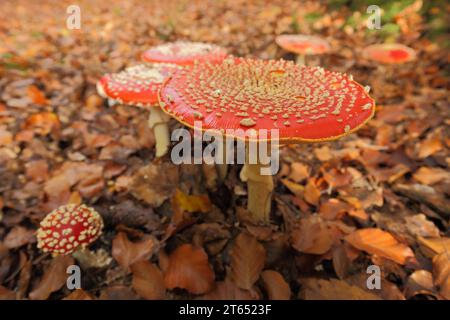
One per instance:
(377,197)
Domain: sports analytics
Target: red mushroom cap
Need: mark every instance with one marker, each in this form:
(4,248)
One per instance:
(137,85)
(185,53)
(303,44)
(68,228)
(304,103)
(389,53)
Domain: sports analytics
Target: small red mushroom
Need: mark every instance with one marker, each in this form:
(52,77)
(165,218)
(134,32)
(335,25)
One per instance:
(185,53)
(305,104)
(303,45)
(138,86)
(69,228)
(389,53)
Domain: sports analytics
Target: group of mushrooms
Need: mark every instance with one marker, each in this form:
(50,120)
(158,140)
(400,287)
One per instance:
(191,81)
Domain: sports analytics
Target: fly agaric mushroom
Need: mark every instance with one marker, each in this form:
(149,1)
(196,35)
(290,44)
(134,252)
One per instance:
(69,228)
(138,86)
(185,53)
(303,45)
(389,53)
(305,104)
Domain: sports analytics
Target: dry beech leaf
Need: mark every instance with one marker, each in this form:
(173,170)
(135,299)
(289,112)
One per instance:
(434,246)
(382,243)
(419,282)
(155,183)
(311,193)
(333,209)
(191,203)
(299,172)
(79,294)
(54,278)
(323,153)
(42,123)
(430,176)
(247,261)
(118,293)
(341,261)
(18,237)
(276,287)
(148,280)
(189,269)
(333,289)
(227,290)
(429,147)
(126,252)
(36,95)
(312,236)
(419,225)
(441,272)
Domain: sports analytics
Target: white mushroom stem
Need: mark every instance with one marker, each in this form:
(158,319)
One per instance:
(158,121)
(259,190)
(222,168)
(300,60)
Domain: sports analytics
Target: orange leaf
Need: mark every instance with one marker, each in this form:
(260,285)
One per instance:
(299,172)
(320,289)
(54,278)
(429,176)
(312,193)
(429,147)
(247,261)
(382,243)
(190,203)
(126,252)
(189,269)
(148,280)
(36,95)
(42,123)
(277,288)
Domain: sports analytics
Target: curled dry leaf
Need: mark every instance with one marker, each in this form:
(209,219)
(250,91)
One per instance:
(419,225)
(441,272)
(126,252)
(78,294)
(189,269)
(276,287)
(419,282)
(382,243)
(36,95)
(54,278)
(155,183)
(320,289)
(312,236)
(148,280)
(247,261)
(299,172)
(227,290)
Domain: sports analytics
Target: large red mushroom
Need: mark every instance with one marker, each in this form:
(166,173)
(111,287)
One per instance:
(304,104)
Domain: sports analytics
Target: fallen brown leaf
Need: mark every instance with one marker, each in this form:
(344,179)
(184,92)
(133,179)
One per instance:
(148,280)
(227,290)
(127,253)
(312,236)
(320,289)
(54,278)
(18,237)
(441,272)
(276,287)
(78,294)
(189,269)
(247,261)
